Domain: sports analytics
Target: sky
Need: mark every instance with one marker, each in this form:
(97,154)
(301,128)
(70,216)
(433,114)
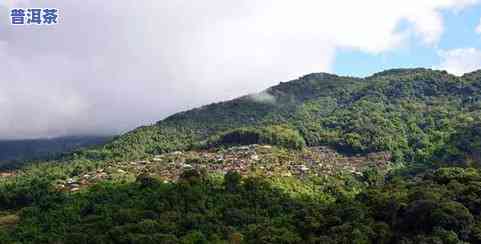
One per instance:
(110,66)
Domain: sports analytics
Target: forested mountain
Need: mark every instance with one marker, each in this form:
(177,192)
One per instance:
(390,158)
(14,153)
(412,113)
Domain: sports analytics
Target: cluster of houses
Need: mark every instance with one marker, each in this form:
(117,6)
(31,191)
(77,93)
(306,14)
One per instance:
(263,160)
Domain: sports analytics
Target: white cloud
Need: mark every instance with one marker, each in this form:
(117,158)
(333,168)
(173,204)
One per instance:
(113,65)
(263,97)
(460,61)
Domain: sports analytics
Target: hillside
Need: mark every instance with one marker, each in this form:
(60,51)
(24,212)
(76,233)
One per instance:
(14,153)
(390,158)
(411,113)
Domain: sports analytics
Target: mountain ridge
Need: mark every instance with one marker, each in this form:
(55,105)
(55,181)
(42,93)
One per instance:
(355,115)
(16,152)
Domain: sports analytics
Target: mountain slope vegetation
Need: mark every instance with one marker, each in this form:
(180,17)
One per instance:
(411,113)
(14,153)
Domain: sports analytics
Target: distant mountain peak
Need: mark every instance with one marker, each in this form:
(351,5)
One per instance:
(473,76)
(318,76)
(405,71)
